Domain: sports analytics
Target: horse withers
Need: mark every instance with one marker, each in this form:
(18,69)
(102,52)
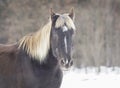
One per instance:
(35,61)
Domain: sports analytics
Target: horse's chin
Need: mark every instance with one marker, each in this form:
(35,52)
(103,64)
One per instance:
(66,68)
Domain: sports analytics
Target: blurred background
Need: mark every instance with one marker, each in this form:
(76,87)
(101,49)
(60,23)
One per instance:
(97,38)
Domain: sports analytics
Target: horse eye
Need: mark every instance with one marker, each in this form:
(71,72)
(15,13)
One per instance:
(55,36)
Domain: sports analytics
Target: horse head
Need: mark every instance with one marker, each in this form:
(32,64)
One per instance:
(62,30)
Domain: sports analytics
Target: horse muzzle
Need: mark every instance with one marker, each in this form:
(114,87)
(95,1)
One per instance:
(66,63)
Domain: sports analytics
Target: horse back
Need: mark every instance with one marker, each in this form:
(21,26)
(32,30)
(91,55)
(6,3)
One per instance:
(7,59)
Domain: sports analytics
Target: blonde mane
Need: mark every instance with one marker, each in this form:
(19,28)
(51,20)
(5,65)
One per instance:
(37,44)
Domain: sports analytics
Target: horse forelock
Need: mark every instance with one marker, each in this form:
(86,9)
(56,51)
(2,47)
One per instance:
(37,45)
(64,20)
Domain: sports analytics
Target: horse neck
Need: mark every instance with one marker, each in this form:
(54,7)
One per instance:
(51,60)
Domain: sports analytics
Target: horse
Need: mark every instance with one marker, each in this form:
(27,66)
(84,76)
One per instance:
(37,59)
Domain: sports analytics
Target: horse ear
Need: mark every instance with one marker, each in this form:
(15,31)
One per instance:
(72,14)
(52,13)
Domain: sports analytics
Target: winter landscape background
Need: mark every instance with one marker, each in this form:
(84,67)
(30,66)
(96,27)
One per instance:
(89,78)
(96,51)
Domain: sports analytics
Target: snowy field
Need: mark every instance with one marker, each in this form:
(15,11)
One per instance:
(107,78)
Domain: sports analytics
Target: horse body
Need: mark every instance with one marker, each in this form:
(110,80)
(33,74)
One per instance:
(18,70)
(36,60)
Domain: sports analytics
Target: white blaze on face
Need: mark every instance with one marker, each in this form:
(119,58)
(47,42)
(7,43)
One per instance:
(65,39)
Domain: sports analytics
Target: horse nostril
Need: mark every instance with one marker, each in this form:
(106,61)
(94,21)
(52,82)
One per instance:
(71,63)
(62,62)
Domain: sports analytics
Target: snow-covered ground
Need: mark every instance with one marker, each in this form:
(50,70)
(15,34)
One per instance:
(107,78)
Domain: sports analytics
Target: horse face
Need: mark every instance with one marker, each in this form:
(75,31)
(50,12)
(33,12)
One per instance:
(61,40)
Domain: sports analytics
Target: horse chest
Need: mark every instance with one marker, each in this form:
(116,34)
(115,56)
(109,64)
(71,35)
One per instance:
(35,75)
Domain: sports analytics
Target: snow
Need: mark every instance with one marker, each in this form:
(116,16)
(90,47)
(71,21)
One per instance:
(89,78)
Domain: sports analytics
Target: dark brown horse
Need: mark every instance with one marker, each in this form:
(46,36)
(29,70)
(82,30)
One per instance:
(36,60)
